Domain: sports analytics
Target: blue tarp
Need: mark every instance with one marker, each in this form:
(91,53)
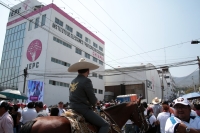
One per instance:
(193,95)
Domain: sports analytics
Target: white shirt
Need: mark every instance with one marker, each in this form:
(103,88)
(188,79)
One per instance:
(162,118)
(61,111)
(193,113)
(152,119)
(6,123)
(173,121)
(28,115)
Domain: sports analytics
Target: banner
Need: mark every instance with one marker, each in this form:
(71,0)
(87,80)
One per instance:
(149,84)
(35,91)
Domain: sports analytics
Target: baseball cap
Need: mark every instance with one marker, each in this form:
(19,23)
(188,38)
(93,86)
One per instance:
(4,104)
(181,100)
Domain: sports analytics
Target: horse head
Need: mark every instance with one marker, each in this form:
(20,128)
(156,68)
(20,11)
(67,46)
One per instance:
(138,116)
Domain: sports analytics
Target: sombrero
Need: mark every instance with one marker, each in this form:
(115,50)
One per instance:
(156,100)
(82,64)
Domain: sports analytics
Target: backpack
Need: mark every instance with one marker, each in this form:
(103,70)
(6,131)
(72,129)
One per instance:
(151,128)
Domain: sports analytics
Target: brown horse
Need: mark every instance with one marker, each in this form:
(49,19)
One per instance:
(118,115)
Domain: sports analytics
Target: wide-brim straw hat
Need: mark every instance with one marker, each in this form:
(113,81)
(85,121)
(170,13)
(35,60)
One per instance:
(156,100)
(82,64)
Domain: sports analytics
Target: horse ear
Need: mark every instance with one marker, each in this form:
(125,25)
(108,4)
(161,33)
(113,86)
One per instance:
(139,100)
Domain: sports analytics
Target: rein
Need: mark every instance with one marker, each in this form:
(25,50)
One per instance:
(140,115)
(114,126)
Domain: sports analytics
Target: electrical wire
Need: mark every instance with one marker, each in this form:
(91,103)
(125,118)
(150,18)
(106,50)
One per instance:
(10,79)
(58,36)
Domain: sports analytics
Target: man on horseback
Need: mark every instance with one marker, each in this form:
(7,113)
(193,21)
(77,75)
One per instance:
(82,97)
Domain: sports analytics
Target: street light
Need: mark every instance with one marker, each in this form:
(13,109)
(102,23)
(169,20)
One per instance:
(195,42)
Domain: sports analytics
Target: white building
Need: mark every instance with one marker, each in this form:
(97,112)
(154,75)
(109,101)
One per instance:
(169,84)
(47,41)
(141,80)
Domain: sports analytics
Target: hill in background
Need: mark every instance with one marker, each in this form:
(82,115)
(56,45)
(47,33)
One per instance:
(187,80)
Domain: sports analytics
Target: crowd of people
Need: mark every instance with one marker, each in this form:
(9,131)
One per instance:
(163,117)
(14,116)
(179,116)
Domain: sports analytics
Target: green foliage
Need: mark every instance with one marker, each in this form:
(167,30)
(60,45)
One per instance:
(189,90)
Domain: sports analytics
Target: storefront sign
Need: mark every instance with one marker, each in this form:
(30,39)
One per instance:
(59,28)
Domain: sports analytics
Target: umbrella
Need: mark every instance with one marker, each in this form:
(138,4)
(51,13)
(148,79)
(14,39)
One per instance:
(14,94)
(193,95)
(4,97)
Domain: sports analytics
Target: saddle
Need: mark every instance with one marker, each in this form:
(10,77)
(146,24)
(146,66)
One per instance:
(80,125)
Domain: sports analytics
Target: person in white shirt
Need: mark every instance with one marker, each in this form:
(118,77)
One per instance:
(45,108)
(163,116)
(6,121)
(182,122)
(151,119)
(29,113)
(61,109)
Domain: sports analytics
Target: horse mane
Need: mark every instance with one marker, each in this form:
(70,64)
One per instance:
(118,105)
(27,127)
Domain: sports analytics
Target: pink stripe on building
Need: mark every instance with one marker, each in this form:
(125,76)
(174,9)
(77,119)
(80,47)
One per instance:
(62,13)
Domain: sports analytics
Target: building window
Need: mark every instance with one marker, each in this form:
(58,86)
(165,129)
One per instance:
(57,21)
(62,42)
(168,84)
(43,19)
(94,74)
(69,28)
(87,55)
(100,91)
(78,51)
(95,90)
(95,45)
(87,40)
(30,25)
(57,83)
(100,76)
(60,62)
(101,62)
(37,22)
(94,59)
(100,48)
(79,34)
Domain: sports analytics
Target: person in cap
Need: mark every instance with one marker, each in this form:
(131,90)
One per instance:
(6,121)
(82,98)
(156,110)
(156,106)
(182,122)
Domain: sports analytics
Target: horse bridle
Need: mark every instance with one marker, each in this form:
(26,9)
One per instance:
(114,126)
(141,119)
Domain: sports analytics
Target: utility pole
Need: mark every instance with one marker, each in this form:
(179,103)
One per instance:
(193,83)
(25,75)
(199,71)
(162,86)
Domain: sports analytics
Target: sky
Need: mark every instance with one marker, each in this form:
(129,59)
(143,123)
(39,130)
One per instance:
(135,32)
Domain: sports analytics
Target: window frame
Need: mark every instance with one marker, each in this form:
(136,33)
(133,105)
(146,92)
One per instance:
(43,20)
(37,22)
